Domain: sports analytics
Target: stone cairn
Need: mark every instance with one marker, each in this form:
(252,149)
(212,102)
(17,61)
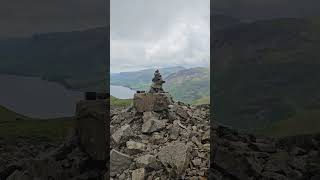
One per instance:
(157,82)
(159,138)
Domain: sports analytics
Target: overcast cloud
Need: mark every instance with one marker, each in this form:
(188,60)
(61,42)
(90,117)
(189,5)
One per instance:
(159,33)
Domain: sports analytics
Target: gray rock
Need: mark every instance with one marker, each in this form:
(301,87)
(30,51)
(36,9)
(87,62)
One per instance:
(138,174)
(147,160)
(174,131)
(151,123)
(90,125)
(18,175)
(146,102)
(132,145)
(123,131)
(273,176)
(175,157)
(269,148)
(119,162)
(236,164)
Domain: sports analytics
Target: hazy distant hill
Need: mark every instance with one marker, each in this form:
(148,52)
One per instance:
(76,59)
(190,85)
(187,85)
(140,80)
(266,71)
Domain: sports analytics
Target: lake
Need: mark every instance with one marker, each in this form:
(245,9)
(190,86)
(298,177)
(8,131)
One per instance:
(121,92)
(37,98)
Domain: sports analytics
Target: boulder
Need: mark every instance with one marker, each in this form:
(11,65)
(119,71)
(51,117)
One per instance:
(151,123)
(91,127)
(123,131)
(139,174)
(147,161)
(132,145)
(119,162)
(144,102)
(175,157)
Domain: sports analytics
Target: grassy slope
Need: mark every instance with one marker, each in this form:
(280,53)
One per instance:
(190,85)
(13,125)
(140,80)
(187,85)
(120,102)
(303,123)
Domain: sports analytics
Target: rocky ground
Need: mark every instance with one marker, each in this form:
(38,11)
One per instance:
(21,149)
(241,156)
(170,144)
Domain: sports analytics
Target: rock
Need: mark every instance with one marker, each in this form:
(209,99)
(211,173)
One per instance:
(132,145)
(123,131)
(206,136)
(273,176)
(18,175)
(236,164)
(175,157)
(119,162)
(147,161)
(174,131)
(270,148)
(138,174)
(182,112)
(296,151)
(151,123)
(196,141)
(91,127)
(196,162)
(146,102)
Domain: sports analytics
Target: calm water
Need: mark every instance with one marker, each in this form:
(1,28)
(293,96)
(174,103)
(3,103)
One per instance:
(37,98)
(121,92)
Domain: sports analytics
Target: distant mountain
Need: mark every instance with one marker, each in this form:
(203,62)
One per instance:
(76,59)
(190,85)
(140,80)
(187,85)
(266,71)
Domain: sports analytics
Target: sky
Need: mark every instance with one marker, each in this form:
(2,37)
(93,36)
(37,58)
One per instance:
(154,34)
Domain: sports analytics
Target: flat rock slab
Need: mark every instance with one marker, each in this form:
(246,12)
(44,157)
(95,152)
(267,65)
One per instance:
(119,162)
(144,102)
(175,157)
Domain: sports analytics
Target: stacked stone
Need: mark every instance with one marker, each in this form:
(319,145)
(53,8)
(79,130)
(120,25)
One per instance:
(157,82)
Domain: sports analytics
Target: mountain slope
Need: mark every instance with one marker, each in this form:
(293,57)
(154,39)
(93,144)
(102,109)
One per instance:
(140,80)
(67,57)
(190,85)
(266,71)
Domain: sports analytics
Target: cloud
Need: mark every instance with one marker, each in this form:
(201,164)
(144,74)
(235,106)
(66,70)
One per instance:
(150,33)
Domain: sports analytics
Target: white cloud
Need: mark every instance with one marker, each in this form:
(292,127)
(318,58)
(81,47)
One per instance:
(178,33)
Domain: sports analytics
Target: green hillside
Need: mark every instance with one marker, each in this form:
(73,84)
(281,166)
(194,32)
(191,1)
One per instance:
(140,80)
(190,85)
(303,123)
(186,85)
(13,126)
(115,102)
(266,71)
